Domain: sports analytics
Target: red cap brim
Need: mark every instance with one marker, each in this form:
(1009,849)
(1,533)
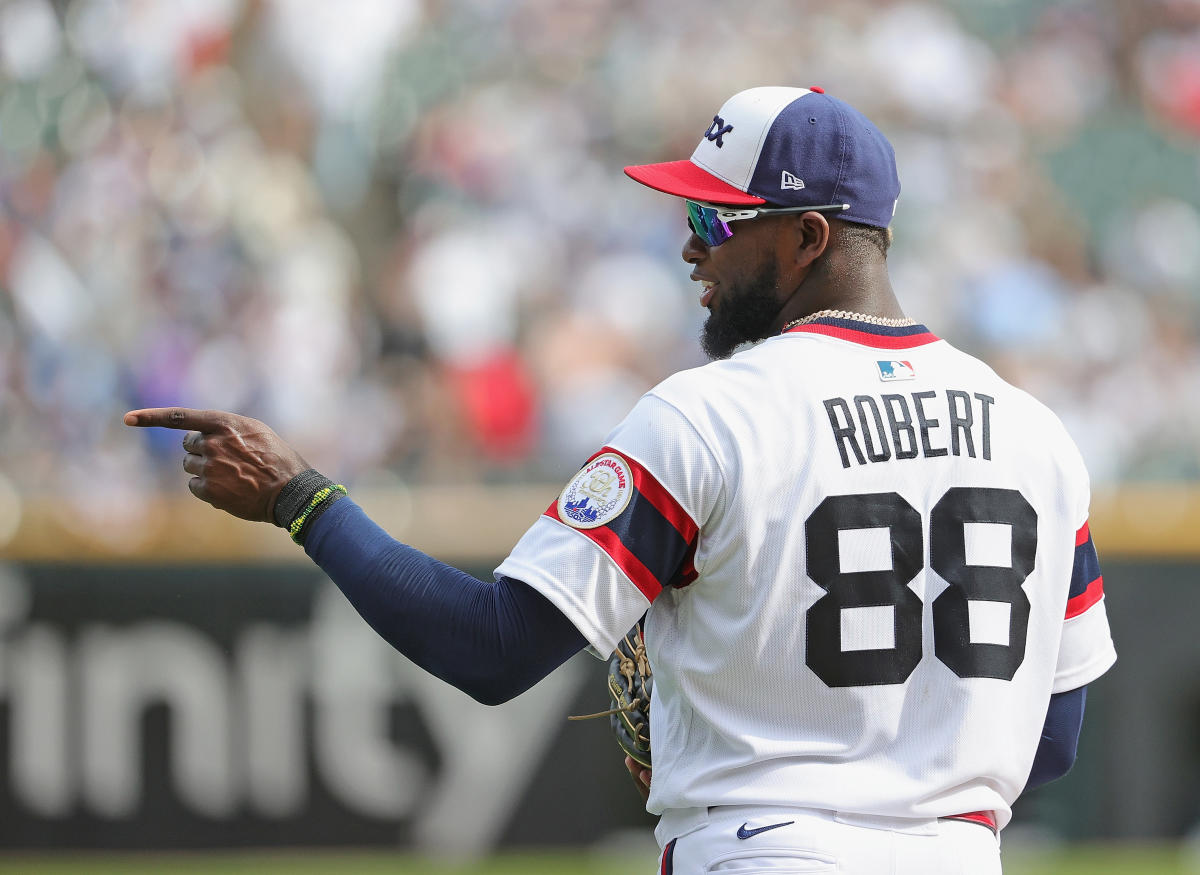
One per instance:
(684,179)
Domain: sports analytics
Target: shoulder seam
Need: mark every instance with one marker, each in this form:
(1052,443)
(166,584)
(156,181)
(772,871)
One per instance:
(708,448)
(696,432)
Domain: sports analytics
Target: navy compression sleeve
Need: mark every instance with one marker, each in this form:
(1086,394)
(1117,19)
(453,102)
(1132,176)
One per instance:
(1060,738)
(491,640)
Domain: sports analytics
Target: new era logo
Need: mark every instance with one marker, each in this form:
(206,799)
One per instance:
(791,181)
(893,370)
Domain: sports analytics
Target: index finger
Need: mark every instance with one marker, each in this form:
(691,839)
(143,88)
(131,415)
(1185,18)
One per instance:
(177,417)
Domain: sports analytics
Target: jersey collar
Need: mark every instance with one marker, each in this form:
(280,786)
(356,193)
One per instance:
(867,334)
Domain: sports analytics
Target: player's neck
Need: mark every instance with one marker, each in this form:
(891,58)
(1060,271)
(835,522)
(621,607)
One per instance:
(865,289)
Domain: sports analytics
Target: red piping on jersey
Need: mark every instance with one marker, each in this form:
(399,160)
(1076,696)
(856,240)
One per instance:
(1087,598)
(1083,534)
(866,338)
(658,496)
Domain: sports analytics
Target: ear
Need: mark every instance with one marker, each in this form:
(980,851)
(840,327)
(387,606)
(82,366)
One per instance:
(812,234)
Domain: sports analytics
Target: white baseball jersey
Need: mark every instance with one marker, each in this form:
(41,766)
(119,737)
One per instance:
(867,567)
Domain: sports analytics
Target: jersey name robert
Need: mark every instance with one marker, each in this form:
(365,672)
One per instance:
(872,428)
(906,609)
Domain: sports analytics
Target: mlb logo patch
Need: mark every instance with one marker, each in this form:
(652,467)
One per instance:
(893,370)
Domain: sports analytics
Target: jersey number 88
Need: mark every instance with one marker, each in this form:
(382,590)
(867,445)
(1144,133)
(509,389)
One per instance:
(889,588)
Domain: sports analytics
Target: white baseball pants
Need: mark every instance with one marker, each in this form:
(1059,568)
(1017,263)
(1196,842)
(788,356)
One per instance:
(745,840)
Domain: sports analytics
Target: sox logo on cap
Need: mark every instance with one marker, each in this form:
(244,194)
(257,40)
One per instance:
(787,147)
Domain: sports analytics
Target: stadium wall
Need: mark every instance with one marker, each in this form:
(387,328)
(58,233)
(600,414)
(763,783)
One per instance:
(192,681)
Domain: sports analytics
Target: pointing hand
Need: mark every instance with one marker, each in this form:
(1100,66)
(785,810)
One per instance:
(238,464)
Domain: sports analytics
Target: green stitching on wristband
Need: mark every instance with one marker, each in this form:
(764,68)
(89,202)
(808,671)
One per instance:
(319,497)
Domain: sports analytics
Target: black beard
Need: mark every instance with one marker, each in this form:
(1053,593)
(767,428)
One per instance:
(744,313)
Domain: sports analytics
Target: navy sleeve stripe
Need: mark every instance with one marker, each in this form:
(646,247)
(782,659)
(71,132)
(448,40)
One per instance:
(652,540)
(1087,568)
(643,542)
(1087,584)
(651,537)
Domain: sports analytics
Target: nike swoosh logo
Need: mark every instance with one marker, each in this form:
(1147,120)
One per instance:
(744,833)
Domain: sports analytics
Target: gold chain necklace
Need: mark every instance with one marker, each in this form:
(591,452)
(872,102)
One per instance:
(889,321)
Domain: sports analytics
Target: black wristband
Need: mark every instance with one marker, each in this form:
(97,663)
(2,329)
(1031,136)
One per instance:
(316,512)
(296,494)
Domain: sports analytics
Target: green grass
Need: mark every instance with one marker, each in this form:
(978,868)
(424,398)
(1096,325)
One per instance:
(1086,860)
(1100,859)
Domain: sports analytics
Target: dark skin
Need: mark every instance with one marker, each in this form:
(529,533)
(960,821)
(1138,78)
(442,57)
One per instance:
(795,265)
(786,267)
(238,464)
(640,775)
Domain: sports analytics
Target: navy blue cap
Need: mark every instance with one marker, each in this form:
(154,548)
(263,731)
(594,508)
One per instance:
(787,147)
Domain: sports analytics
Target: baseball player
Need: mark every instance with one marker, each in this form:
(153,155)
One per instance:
(872,601)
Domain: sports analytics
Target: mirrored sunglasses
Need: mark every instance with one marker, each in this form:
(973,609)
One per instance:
(710,222)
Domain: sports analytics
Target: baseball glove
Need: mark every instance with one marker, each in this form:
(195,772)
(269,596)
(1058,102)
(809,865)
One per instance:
(630,685)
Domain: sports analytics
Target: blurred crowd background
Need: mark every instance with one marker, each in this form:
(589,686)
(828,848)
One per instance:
(398,231)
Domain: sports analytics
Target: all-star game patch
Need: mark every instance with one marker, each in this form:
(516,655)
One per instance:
(598,493)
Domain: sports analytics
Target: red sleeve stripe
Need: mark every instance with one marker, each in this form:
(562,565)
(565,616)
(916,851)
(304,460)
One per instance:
(608,541)
(1080,603)
(652,540)
(662,500)
(1083,534)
